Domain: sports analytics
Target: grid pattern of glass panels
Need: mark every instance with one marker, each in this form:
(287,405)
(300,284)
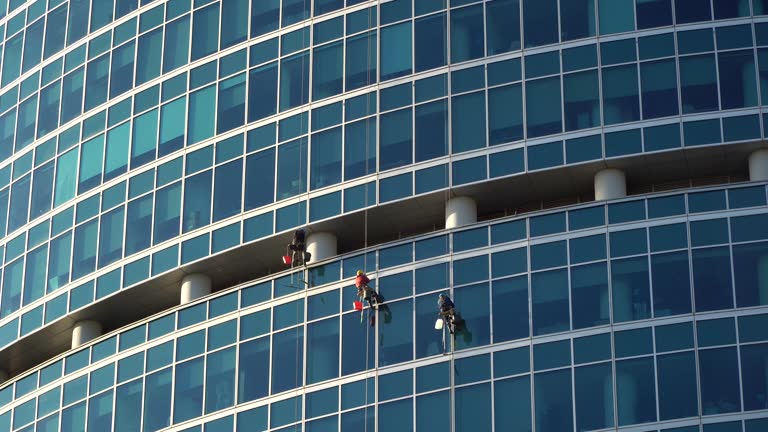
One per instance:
(635,312)
(673,73)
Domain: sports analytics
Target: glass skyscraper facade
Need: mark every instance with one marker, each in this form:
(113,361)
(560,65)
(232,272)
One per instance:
(587,179)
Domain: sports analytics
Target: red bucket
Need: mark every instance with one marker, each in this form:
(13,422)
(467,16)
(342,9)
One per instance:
(287,259)
(358,305)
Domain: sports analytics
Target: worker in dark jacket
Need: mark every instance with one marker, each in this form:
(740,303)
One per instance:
(298,247)
(447,311)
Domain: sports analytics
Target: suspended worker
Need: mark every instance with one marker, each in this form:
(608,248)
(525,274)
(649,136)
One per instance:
(447,311)
(298,247)
(364,291)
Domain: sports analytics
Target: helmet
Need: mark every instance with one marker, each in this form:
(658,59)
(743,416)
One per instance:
(359,272)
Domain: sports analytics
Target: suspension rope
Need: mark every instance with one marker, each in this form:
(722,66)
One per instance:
(301,219)
(446,198)
(371,311)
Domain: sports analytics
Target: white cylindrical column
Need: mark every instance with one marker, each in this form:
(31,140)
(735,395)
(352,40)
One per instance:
(84,332)
(460,211)
(321,245)
(610,184)
(194,286)
(758,165)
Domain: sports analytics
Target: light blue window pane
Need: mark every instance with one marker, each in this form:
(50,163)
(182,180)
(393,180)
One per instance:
(751,328)
(396,343)
(132,338)
(631,290)
(396,139)
(616,16)
(467,33)
(549,255)
(737,84)
(590,295)
(635,391)
(149,56)
(294,81)
(201,117)
(585,249)
(253,378)
(75,390)
(48,402)
(322,350)
(73,418)
(111,237)
(468,119)
(65,177)
(260,170)
(292,168)
(176,49)
(592,348)
(541,121)
(510,299)
(620,94)
(222,334)
(128,399)
(34,280)
(188,390)
(231,109)
(205,31)
(674,337)
(144,139)
(288,359)
(470,270)
(553,401)
(582,106)
(24,414)
(715,332)
(671,284)
(322,305)
(431,278)
(626,212)
(102,378)
(257,227)
(629,242)
(508,231)
(327,71)
(220,380)
(668,237)
(430,42)
(159,356)
(431,130)
(130,367)
(396,415)
(262,94)
(550,302)
(84,250)
(325,166)
(741,128)
(540,22)
(360,148)
(325,206)
(718,371)
(515,416)
(100,411)
(157,398)
(104,349)
(594,397)
(547,224)
(396,51)
(172,126)
(505,124)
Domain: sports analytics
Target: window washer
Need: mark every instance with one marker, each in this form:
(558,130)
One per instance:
(298,248)
(448,312)
(364,291)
